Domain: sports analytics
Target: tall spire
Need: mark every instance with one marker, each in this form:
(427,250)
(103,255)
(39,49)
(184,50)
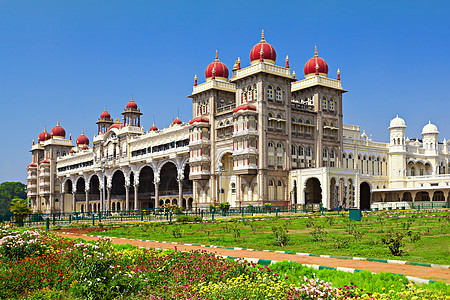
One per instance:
(287,62)
(315,51)
(262,36)
(217,55)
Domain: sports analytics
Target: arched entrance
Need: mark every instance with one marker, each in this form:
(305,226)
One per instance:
(146,188)
(313,191)
(334,201)
(295,192)
(94,191)
(364,196)
(168,185)
(438,196)
(80,192)
(118,187)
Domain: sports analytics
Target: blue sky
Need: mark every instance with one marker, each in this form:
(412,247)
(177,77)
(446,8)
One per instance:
(67,60)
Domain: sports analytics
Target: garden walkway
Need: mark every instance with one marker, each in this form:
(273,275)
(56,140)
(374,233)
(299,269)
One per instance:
(429,273)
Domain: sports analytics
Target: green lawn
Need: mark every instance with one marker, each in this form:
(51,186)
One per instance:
(334,235)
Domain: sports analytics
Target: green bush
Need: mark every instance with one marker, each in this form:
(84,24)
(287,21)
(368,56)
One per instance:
(187,218)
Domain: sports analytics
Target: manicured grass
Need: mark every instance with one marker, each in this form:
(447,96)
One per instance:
(339,236)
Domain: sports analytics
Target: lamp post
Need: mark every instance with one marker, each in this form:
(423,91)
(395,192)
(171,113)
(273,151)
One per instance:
(103,178)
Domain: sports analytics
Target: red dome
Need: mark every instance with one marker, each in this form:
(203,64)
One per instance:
(71,151)
(58,131)
(117,124)
(132,104)
(268,51)
(32,166)
(176,121)
(244,107)
(45,161)
(84,147)
(219,67)
(105,115)
(153,128)
(310,66)
(199,120)
(43,136)
(82,139)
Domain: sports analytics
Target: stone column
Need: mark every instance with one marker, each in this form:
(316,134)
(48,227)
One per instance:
(108,199)
(61,202)
(86,191)
(250,192)
(156,182)
(204,194)
(101,199)
(74,204)
(136,190)
(180,193)
(127,196)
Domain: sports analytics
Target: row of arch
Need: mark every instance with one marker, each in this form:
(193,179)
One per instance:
(142,191)
(341,193)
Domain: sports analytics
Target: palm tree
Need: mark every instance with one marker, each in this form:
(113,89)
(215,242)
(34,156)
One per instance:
(21,209)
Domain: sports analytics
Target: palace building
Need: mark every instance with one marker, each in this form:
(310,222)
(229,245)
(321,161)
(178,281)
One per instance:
(257,135)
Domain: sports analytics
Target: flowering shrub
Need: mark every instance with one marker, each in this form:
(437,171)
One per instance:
(75,269)
(15,246)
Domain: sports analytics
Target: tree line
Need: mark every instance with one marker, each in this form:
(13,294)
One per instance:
(9,191)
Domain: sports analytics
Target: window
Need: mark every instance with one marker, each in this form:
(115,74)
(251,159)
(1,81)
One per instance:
(324,103)
(280,152)
(270,92)
(325,152)
(300,151)
(233,188)
(331,104)
(279,94)
(271,122)
(250,93)
(271,153)
(332,154)
(255,93)
(308,151)
(293,150)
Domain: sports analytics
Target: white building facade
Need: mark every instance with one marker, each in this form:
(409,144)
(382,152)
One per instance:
(261,136)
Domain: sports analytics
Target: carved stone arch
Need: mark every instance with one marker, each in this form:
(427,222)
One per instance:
(221,153)
(411,160)
(308,178)
(161,165)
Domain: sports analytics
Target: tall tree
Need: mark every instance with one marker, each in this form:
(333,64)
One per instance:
(9,191)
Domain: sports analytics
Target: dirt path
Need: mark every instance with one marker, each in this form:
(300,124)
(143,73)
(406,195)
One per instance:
(377,267)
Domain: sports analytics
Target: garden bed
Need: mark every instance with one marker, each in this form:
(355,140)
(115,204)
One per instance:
(39,265)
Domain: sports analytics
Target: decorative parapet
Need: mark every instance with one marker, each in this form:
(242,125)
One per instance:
(316,80)
(262,67)
(214,84)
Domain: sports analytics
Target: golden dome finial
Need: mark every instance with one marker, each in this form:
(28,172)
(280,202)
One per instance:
(45,128)
(57,123)
(315,51)
(82,131)
(262,36)
(217,54)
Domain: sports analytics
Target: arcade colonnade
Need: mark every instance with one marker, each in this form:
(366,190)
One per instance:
(148,185)
(333,187)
